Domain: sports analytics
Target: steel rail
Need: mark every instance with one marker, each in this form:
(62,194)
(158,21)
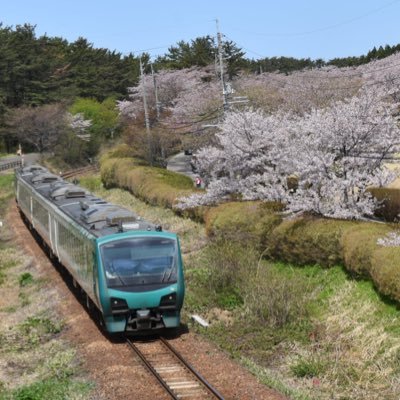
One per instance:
(192,370)
(152,370)
(209,389)
(78,171)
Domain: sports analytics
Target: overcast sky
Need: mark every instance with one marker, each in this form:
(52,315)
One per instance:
(263,28)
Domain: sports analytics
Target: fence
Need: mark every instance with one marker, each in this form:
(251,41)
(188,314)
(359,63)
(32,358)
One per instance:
(10,165)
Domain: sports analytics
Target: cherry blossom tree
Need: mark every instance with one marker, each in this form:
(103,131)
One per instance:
(247,161)
(187,99)
(336,153)
(183,93)
(300,91)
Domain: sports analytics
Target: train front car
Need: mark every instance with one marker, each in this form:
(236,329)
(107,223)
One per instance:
(127,268)
(141,285)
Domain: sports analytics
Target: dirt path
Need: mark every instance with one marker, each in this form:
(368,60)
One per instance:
(117,373)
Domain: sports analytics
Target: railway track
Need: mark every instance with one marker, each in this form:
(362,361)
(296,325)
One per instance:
(79,171)
(172,371)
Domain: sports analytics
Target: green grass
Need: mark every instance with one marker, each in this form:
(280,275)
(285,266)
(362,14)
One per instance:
(6,183)
(311,333)
(91,182)
(308,368)
(54,389)
(25,279)
(173,179)
(39,324)
(323,341)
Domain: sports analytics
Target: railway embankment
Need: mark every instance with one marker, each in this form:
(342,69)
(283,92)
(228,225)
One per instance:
(51,346)
(36,361)
(280,294)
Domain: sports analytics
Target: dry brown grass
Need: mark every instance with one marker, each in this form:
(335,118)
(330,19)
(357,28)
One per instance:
(359,355)
(26,354)
(31,351)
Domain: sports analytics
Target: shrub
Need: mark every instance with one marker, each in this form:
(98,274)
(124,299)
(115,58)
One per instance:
(25,279)
(108,167)
(156,186)
(359,243)
(304,240)
(121,151)
(275,300)
(234,275)
(308,368)
(389,208)
(308,240)
(229,265)
(385,271)
(246,222)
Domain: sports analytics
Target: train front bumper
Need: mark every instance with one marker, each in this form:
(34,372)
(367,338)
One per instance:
(143,320)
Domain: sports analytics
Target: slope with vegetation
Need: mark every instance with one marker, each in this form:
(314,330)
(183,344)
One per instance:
(310,332)
(36,362)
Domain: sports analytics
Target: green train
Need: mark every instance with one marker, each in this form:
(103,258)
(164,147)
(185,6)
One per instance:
(129,270)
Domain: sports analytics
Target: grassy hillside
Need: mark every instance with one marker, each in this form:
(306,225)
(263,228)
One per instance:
(36,363)
(310,332)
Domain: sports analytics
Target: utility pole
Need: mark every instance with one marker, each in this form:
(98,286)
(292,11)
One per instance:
(157,107)
(221,67)
(155,92)
(227,90)
(146,112)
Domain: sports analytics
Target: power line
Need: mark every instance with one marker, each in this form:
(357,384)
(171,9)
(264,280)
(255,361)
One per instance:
(208,117)
(357,74)
(328,27)
(336,88)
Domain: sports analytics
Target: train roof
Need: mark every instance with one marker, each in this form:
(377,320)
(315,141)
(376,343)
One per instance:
(94,214)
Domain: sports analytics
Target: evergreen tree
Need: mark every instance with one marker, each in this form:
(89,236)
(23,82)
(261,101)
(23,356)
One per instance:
(233,58)
(199,52)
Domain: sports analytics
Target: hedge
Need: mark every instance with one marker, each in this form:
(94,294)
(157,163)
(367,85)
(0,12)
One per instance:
(389,198)
(250,221)
(310,240)
(156,186)
(303,240)
(385,271)
(359,244)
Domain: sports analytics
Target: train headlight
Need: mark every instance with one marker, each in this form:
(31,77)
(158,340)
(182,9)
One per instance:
(118,306)
(168,301)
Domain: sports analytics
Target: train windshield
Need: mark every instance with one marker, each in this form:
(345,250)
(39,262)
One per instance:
(140,261)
